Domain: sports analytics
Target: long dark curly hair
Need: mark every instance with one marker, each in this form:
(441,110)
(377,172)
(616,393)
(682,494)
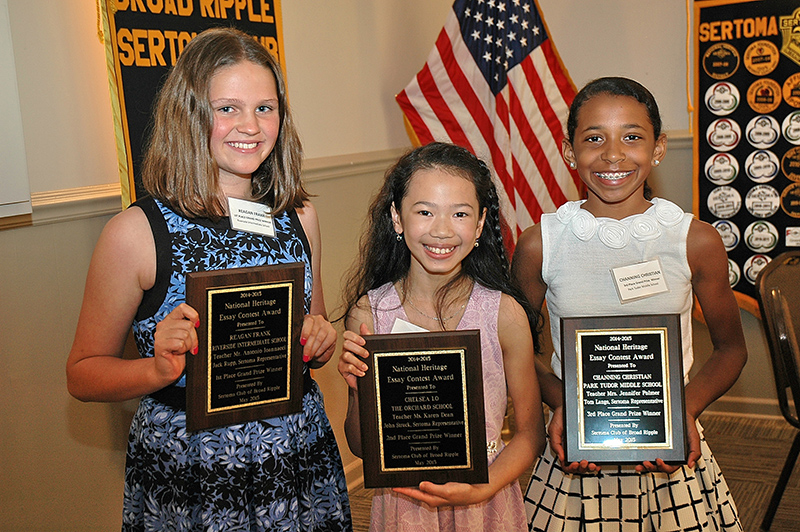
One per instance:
(385,259)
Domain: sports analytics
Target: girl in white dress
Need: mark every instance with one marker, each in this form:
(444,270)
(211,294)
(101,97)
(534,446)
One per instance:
(614,140)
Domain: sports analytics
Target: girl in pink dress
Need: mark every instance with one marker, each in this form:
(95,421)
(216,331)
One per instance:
(433,256)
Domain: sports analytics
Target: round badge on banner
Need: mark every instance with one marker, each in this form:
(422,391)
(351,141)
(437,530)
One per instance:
(761,58)
(761,236)
(728,232)
(791,127)
(790,200)
(722,98)
(764,95)
(753,266)
(734,273)
(791,90)
(723,134)
(762,166)
(724,202)
(762,201)
(722,168)
(763,131)
(721,60)
(790,164)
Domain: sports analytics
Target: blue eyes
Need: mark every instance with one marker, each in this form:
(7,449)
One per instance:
(261,109)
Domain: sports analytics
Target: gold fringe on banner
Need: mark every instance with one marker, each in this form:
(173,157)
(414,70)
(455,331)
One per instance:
(99,5)
(106,36)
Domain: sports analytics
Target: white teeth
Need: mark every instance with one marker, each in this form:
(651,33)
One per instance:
(440,251)
(612,176)
(244,145)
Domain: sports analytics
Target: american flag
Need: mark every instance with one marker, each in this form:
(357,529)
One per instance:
(494,84)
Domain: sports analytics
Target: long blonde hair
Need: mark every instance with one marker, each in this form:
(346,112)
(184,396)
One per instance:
(178,167)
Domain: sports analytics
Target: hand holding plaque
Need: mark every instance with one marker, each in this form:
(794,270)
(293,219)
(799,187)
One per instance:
(421,404)
(249,365)
(623,389)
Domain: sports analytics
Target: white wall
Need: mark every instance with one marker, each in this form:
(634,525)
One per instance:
(345,60)
(641,39)
(63,92)
(61,461)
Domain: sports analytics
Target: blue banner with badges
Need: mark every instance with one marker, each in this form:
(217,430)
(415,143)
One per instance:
(747,131)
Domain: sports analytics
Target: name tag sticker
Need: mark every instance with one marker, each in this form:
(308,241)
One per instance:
(637,281)
(251,217)
(403,326)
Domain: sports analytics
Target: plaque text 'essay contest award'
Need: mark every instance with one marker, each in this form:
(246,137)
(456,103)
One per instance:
(421,406)
(249,365)
(623,389)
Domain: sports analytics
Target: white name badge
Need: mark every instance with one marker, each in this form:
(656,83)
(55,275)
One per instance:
(403,326)
(638,281)
(251,217)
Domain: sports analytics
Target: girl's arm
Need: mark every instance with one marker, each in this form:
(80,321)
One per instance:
(123,266)
(351,366)
(318,335)
(709,264)
(526,267)
(528,441)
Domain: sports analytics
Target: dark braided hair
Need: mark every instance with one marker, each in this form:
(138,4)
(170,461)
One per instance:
(385,259)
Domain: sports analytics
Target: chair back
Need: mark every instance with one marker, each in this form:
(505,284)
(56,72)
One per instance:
(778,290)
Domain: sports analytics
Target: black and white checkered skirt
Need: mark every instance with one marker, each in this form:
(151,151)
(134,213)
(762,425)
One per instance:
(619,499)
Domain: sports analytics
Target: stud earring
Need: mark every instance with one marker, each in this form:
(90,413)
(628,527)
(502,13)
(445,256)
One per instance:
(399,236)
(656,162)
(572,165)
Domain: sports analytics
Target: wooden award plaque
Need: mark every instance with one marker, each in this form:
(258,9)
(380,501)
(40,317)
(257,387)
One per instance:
(623,389)
(422,414)
(249,365)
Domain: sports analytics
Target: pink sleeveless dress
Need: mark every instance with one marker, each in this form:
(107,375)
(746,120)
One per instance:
(392,512)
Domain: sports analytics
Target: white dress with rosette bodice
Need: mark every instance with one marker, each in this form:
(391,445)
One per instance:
(579,252)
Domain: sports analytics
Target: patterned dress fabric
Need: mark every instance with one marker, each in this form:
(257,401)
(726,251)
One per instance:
(392,512)
(283,473)
(579,251)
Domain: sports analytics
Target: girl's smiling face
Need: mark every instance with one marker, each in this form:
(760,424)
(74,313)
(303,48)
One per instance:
(244,99)
(440,220)
(614,150)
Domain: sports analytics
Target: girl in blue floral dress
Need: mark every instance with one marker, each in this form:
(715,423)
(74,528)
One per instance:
(222,129)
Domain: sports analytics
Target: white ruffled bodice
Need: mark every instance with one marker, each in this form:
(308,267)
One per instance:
(616,234)
(579,251)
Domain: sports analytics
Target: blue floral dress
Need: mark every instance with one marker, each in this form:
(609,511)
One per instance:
(283,473)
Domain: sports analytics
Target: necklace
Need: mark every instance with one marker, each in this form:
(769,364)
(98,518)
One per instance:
(434,318)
